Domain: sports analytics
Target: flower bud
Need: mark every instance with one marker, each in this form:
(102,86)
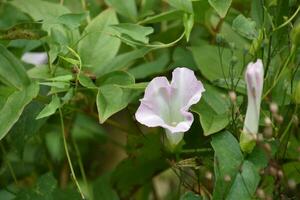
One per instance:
(254,78)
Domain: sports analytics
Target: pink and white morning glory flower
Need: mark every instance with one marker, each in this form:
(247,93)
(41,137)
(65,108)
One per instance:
(167,104)
(254,78)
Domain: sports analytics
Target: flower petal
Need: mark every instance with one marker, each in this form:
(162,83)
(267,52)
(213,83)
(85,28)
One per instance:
(167,105)
(154,105)
(36,58)
(188,87)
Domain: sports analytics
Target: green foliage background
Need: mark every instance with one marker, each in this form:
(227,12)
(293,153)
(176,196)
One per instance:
(67,127)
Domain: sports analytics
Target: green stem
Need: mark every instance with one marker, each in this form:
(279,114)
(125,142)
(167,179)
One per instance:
(81,167)
(196,150)
(288,21)
(68,155)
(280,72)
(11,170)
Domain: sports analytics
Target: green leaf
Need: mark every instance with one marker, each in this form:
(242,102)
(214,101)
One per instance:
(122,61)
(50,109)
(245,183)
(60,85)
(213,110)
(135,32)
(228,159)
(12,71)
(185,5)
(156,66)
(14,106)
(245,26)
(212,66)
(86,81)
(125,8)
(72,20)
(116,78)
(40,10)
(103,189)
(98,46)
(88,128)
(111,99)
(190,196)
(145,160)
(63,78)
(221,6)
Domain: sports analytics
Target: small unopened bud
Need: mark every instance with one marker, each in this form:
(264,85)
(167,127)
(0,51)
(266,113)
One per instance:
(268,132)
(280,174)
(292,184)
(267,147)
(208,175)
(268,121)
(278,118)
(274,108)
(227,178)
(232,96)
(260,193)
(259,137)
(295,120)
(273,171)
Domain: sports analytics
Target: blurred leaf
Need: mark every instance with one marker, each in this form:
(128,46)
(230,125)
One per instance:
(185,5)
(26,127)
(134,32)
(40,10)
(45,186)
(292,171)
(51,108)
(221,6)
(245,183)
(46,189)
(122,61)
(183,57)
(190,196)
(98,46)
(86,127)
(12,71)
(228,159)
(214,67)
(125,8)
(145,161)
(28,31)
(57,84)
(103,189)
(54,143)
(63,78)
(10,15)
(245,26)
(14,106)
(156,66)
(116,78)
(72,20)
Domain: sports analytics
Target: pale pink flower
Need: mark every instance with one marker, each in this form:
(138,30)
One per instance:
(167,104)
